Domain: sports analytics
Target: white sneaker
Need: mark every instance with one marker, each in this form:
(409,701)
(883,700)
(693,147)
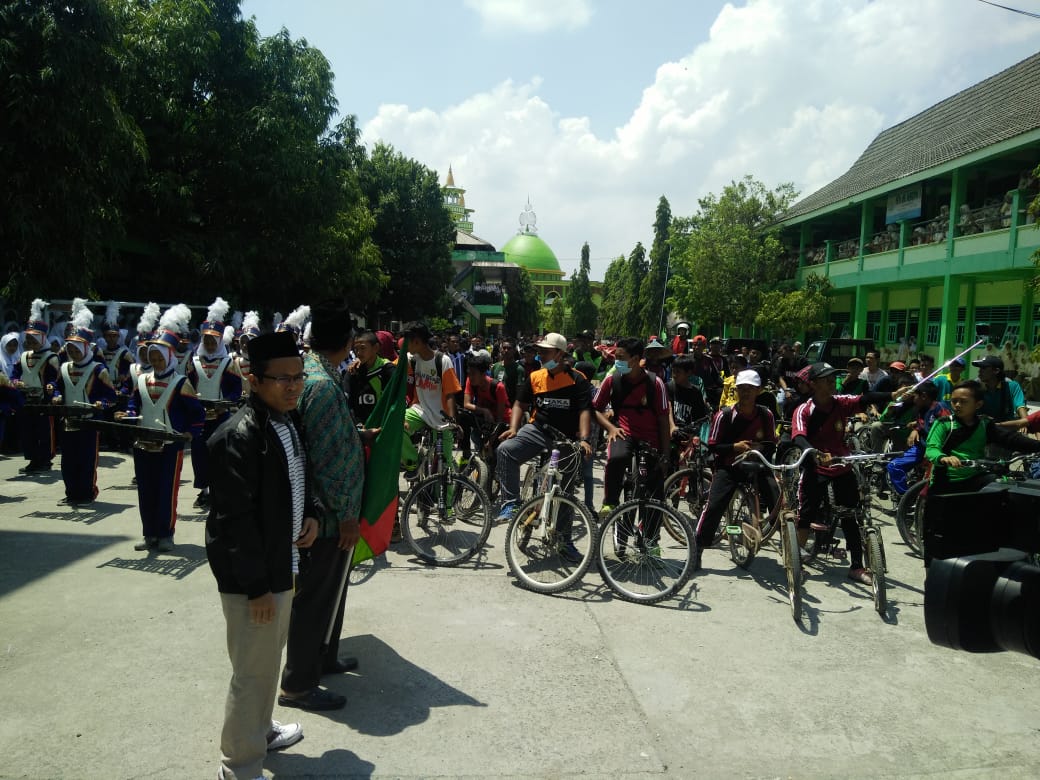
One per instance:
(283,735)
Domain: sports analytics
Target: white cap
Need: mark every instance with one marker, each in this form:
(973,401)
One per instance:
(748,377)
(552,341)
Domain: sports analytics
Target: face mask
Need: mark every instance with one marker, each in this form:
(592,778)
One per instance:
(550,364)
(621,366)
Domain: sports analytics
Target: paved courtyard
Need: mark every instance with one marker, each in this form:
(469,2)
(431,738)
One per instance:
(113,665)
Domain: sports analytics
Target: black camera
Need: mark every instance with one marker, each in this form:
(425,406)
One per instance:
(982,589)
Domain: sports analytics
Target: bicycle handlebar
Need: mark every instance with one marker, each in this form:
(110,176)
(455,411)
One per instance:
(996,463)
(861,457)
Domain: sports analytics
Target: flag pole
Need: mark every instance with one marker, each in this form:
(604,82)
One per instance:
(339,595)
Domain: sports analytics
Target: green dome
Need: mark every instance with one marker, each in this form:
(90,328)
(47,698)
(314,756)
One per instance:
(529,251)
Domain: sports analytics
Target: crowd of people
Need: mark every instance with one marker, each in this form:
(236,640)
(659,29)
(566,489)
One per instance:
(273,420)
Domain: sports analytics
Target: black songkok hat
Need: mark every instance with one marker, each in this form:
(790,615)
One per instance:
(331,325)
(269,346)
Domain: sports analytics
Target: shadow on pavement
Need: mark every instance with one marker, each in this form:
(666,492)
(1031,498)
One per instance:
(388,693)
(334,763)
(88,514)
(30,555)
(184,560)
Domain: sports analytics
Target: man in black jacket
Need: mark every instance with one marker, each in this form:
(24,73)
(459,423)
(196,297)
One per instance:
(260,513)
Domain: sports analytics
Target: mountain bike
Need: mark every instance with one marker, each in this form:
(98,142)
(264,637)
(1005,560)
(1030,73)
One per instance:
(747,531)
(551,540)
(824,540)
(635,562)
(445,517)
(686,489)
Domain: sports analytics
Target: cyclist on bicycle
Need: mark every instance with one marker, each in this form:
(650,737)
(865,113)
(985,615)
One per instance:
(927,410)
(964,437)
(562,398)
(735,430)
(640,404)
(432,385)
(820,423)
(485,397)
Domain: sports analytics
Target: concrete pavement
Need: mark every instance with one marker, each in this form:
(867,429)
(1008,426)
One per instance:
(113,665)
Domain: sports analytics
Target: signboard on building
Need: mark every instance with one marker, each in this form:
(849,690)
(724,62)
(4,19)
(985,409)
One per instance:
(903,204)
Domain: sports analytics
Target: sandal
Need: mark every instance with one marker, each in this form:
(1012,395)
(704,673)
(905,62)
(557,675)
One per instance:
(861,575)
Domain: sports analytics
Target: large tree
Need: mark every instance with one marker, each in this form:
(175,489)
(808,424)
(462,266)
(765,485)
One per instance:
(728,253)
(651,292)
(68,145)
(413,231)
(617,293)
(584,314)
(522,304)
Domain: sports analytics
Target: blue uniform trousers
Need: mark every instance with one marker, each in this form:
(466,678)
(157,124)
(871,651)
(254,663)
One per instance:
(158,478)
(37,433)
(79,459)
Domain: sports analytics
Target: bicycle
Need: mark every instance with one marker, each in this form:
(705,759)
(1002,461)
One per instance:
(481,465)
(689,484)
(746,530)
(551,539)
(445,517)
(630,555)
(824,540)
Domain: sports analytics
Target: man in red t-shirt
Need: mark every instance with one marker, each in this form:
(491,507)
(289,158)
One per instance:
(820,423)
(640,404)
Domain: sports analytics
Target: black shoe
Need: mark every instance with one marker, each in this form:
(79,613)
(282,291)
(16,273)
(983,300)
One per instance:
(338,666)
(148,543)
(202,501)
(316,699)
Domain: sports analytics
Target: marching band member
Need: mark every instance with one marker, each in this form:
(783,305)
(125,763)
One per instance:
(295,323)
(37,369)
(214,375)
(145,333)
(82,381)
(167,402)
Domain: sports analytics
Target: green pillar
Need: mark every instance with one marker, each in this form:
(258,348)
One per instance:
(859,316)
(1016,204)
(866,225)
(904,240)
(804,237)
(948,330)
(883,334)
(969,321)
(1025,323)
(922,320)
(958,194)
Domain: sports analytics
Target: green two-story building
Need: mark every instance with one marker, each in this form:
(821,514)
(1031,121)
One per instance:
(928,233)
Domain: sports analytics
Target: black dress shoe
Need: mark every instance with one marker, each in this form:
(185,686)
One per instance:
(316,699)
(348,664)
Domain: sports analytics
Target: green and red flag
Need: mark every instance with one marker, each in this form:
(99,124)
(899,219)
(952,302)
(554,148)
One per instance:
(380,496)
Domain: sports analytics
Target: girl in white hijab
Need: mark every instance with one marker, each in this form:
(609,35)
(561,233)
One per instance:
(10,352)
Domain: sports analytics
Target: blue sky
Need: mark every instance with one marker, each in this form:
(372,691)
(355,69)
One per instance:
(596,109)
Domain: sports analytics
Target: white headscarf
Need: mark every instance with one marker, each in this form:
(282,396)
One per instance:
(9,361)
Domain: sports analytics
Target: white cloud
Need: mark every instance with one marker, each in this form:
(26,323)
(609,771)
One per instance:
(786,90)
(532,15)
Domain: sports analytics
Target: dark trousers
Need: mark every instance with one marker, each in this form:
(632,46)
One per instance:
(200,452)
(724,483)
(158,479)
(38,442)
(812,490)
(79,460)
(321,569)
(619,457)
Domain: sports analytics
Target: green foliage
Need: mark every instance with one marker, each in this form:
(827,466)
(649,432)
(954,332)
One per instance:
(584,314)
(727,255)
(651,292)
(793,313)
(522,304)
(617,287)
(413,231)
(557,316)
(69,145)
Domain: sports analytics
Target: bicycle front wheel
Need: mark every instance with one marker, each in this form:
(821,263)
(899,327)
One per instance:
(908,514)
(477,471)
(446,519)
(685,491)
(550,543)
(792,565)
(876,564)
(635,561)
(741,529)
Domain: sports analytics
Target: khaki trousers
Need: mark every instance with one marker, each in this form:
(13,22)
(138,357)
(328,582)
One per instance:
(256,659)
